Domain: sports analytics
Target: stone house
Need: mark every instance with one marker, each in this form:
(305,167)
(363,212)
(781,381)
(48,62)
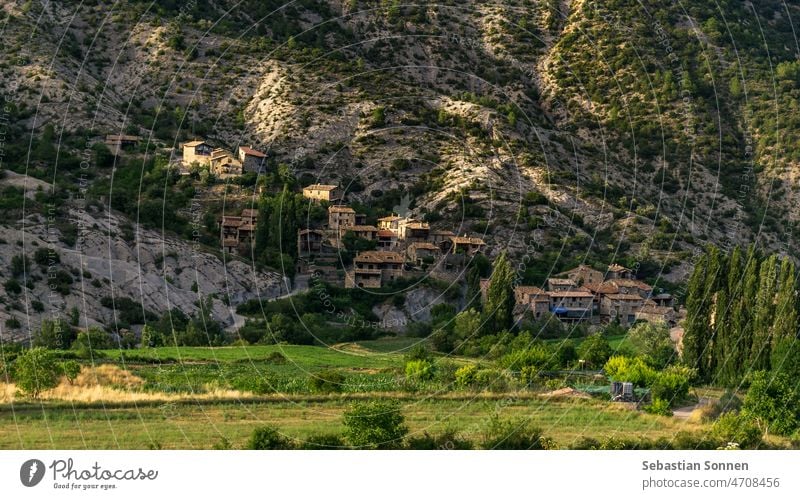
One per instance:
(557,284)
(467,245)
(252,160)
(387,240)
(340,217)
(309,242)
(323,192)
(391,223)
(653,313)
(369,232)
(222,163)
(238,233)
(197,151)
(423,252)
(573,305)
(583,274)
(621,306)
(533,299)
(117,143)
(413,230)
(374,269)
(617,271)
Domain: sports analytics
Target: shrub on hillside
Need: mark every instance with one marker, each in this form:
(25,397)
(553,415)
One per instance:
(327,381)
(513,434)
(268,438)
(375,425)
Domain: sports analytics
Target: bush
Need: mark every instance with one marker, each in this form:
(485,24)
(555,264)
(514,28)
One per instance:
(327,381)
(736,428)
(659,406)
(375,425)
(635,371)
(35,371)
(671,385)
(268,438)
(258,384)
(595,350)
(773,402)
(514,434)
(419,370)
(448,440)
(323,442)
(465,375)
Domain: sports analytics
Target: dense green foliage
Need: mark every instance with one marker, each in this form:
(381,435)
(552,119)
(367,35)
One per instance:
(741,316)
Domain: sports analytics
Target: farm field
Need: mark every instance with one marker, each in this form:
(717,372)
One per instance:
(199,425)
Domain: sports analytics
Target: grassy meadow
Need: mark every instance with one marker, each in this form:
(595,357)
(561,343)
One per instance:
(195,397)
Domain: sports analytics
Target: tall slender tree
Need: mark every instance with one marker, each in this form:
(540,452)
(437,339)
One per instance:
(696,325)
(500,297)
(784,327)
(764,315)
(728,327)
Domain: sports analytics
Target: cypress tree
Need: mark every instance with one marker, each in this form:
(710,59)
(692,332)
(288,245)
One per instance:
(764,315)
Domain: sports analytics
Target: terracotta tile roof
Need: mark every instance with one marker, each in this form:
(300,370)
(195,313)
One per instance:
(615,267)
(379,257)
(386,233)
(468,240)
(427,246)
(619,296)
(656,310)
(252,152)
(362,228)
(561,282)
(117,138)
(570,294)
(390,218)
(194,143)
(340,208)
(231,221)
(320,187)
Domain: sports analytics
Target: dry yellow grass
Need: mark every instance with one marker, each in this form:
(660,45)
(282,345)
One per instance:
(110,383)
(107,375)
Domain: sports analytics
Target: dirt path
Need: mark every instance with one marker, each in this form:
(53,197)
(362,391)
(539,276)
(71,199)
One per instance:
(686,411)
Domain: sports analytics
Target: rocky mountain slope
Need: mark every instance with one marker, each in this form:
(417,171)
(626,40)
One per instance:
(560,130)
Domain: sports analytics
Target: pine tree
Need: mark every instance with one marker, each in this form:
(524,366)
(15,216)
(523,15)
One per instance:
(500,296)
(764,315)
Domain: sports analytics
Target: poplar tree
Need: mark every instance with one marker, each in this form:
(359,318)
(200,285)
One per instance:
(784,354)
(696,326)
(728,330)
(743,315)
(764,315)
(500,296)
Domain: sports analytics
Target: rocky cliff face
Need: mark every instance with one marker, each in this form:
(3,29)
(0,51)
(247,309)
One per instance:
(157,273)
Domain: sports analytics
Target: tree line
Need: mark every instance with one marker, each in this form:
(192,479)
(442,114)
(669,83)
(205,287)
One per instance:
(742,315)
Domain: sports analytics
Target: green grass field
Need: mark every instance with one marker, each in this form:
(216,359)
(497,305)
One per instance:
(200,425)
(373,369)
